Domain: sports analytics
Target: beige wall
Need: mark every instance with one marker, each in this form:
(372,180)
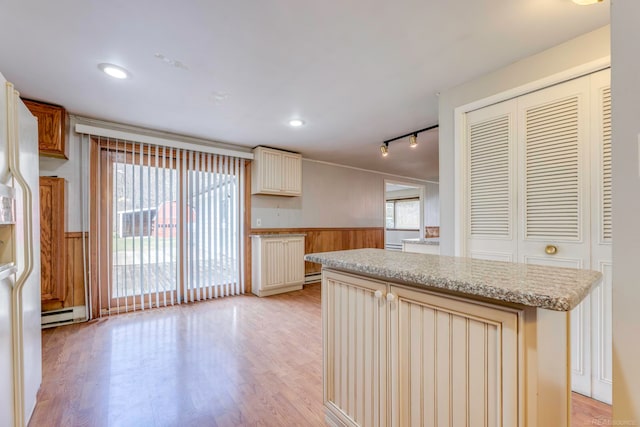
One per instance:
(581,50)
(333,196)
(626,206)
(71,170)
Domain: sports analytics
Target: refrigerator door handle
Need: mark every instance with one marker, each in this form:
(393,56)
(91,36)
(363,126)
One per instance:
(27,199)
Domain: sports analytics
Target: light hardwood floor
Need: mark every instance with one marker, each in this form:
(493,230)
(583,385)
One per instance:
(230,362)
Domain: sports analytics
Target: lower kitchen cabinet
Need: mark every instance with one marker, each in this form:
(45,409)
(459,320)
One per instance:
(401,356)
(277,263)
(52,241)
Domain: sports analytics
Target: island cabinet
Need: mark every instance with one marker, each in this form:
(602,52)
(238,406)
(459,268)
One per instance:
(401,357)
(277,263)
(415,339)
(276,172)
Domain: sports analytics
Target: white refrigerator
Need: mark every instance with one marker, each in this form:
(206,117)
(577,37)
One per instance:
(20,332)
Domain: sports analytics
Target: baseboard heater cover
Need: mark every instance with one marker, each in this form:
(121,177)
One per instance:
(64,316)
(393,246)
(312,278)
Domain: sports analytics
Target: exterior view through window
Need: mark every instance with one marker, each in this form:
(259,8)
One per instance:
(170,225)
(403,214)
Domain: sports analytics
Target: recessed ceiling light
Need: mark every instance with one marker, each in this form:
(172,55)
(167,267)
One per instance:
(296,123)
(114,71)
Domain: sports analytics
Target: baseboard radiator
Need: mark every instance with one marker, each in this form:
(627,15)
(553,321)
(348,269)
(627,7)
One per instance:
(64,316)
(312,278)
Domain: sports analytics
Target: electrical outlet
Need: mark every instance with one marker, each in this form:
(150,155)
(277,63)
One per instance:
(258,222)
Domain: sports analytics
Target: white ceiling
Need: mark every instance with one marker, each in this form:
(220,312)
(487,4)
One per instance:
(358,72)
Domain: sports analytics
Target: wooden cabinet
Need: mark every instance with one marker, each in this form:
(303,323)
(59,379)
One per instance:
(278,264)
(401,356)
(52,240)
(51,128)
(276,172)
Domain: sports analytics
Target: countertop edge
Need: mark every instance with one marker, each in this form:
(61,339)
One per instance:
(531,299)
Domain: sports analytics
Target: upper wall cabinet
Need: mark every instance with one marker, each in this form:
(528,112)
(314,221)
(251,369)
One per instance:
(51,128)
(276,172)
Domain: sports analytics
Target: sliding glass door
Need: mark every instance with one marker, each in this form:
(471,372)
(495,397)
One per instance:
(168,226)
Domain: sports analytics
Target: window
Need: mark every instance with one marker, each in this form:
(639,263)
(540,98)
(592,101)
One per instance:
(403,214)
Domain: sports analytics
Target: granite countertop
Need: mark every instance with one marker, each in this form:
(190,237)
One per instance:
(278,235)
(426,241)
(553,288)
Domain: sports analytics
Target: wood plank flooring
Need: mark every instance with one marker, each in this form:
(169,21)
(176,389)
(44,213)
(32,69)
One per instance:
(236,361)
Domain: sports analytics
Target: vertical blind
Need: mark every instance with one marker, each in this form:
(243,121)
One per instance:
(169,225)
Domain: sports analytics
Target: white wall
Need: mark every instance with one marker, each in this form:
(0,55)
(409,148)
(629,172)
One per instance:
(70,170)
(333,196)
(626,206)
(581,50)
(432,204)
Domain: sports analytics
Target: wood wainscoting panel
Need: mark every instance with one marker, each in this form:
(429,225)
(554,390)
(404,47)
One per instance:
(323,240)
(74,277)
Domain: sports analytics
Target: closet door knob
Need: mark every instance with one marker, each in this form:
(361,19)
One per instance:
(390,297)
(551,250)
(378,294)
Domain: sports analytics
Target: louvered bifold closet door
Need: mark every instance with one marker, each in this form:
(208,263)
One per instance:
(553,133)
(490,182)
(601,238)
(553,129)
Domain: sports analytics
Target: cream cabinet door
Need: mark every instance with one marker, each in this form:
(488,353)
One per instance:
(270,171)
(291,174)
(355,350)
(273,269)
(276,172)
(294,260)
(453,362)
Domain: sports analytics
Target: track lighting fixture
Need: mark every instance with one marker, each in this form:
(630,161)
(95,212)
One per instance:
(413,140)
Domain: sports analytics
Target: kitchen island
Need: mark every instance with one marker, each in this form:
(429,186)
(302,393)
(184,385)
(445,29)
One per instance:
(415,339)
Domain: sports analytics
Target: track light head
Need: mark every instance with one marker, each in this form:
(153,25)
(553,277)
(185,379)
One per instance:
(384,149)
(413,140)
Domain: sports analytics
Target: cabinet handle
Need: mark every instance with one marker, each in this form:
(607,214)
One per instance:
(390,297)
(378,294)
(551,250)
